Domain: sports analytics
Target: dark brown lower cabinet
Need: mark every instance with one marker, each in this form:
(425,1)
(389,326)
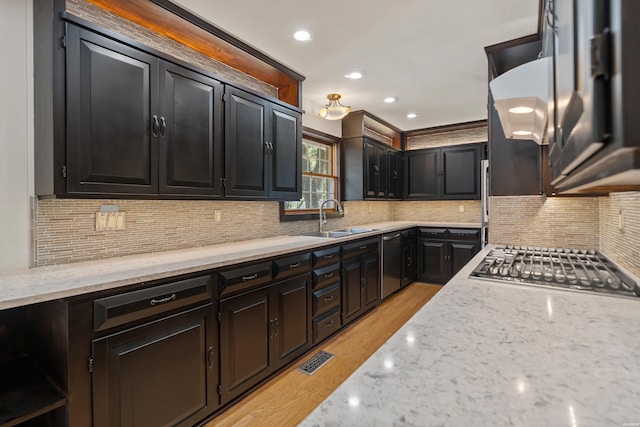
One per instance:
(443,252)
(160,373)
(360,278)
(262,330)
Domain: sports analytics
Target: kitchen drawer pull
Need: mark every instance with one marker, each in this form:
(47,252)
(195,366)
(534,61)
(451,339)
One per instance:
(328,325)
(329,298)
(296,265)
(155,126)
(363,246)
(210,357)
(251,277)
(328,275)
(163,126)
(328,256)
(154,301)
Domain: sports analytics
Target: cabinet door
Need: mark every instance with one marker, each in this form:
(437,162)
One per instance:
(191,132)
(422,175)
(408,263)
(245,149)
(461,253)
(291,321)
(111,99)
(394,174)
(461,172)
(160,373)
(371,285)
(431,264)
(351,289)
(286,154)
(245,349)
(371,169)
(383,171)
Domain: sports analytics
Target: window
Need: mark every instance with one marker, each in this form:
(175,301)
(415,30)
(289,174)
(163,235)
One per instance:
(319,176)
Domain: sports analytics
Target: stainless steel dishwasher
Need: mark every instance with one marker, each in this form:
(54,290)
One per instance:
(391,263)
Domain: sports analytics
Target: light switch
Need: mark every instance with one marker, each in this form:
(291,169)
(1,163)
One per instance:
(460,208)
(120,221)
(101,221)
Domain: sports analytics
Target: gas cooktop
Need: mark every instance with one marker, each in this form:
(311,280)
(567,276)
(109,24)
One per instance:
(576,269)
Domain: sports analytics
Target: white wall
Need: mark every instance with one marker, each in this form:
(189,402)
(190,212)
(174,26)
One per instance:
(16,132)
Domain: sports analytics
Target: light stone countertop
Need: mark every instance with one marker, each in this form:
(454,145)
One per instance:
(29,286)
(484,353)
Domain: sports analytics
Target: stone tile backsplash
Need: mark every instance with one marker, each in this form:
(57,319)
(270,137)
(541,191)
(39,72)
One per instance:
(622,244)
(548,222)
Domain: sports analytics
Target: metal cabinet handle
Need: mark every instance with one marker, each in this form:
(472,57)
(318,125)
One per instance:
(155,126)
(251,277)
(276,326)
(163,126)
(329,324)
(163,300)
(328,256)
(210,357)
(329,298)
(362,280)
(296,265)
(363,247)
(328,275)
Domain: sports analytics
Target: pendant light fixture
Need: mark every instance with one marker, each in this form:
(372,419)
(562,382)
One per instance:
(334,110)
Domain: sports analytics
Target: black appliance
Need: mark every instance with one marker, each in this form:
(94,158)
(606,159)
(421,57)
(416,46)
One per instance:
(594,133)
(577,269)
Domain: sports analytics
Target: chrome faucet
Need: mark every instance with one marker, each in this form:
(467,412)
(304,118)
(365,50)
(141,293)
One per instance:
(323,216)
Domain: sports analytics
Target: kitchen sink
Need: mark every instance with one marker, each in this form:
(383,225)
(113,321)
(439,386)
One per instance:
(355,230)
(337,233)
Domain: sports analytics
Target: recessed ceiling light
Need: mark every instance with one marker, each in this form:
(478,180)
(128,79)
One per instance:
(521,110)
(355,75)
(303,35)
(522,132)
(390,99)
(412,115)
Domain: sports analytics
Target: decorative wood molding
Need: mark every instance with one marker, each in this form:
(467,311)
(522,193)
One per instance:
(447,128)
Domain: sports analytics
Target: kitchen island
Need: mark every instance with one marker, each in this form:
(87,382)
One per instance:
(484,353)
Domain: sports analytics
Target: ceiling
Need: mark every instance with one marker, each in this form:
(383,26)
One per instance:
(429,54)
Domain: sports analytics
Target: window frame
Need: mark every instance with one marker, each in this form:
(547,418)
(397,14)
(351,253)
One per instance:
(309,214)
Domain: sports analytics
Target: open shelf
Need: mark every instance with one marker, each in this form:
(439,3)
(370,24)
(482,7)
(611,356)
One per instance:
(25,392)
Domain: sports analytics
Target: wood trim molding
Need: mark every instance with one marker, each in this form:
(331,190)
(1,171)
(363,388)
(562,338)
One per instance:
(447,128)
(169,20)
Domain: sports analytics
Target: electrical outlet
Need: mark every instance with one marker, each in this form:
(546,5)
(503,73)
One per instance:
(101,221)
(460,208)
(370,208)
(346,210)
(218,215)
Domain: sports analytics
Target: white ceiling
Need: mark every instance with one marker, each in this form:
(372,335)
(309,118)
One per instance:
(429,54)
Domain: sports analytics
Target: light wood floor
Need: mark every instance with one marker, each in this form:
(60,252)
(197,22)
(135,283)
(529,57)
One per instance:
(291,395)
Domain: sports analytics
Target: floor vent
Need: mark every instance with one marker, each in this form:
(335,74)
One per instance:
(315,363)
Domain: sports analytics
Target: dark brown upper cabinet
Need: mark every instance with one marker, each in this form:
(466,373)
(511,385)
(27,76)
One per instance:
(444,173)
(370,170)
(263,145)
(144,125)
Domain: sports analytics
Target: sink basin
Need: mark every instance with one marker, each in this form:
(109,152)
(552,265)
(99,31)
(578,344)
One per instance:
(338,233)
(355,230)
(331,234)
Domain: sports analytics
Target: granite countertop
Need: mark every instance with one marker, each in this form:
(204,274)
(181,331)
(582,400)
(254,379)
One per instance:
(29,286)
(484,353)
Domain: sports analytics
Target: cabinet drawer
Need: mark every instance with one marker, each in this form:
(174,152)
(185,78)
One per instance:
(464,234)
(292,265)
(326,256)
(239,279)
(326,275)
(131,306)
(325,299)
(326,325)
(351,250)
(433,233)
(408,235)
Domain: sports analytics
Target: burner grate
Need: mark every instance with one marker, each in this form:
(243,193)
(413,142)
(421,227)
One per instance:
(315,363)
